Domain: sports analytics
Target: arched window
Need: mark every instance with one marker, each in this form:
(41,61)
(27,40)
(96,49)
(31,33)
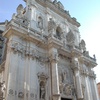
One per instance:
(58,32)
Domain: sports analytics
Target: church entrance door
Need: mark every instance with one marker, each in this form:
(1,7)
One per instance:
(65,99)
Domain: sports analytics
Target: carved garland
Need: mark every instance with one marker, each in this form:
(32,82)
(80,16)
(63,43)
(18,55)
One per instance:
(18,48)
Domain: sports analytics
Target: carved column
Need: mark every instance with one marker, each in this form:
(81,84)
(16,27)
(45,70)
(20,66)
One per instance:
(75,66)
(95,90)
(94,87)
(89,94)
(54,73)
(88,91)
(11,65)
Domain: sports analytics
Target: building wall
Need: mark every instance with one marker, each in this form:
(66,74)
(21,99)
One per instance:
(98,86)
(45,58)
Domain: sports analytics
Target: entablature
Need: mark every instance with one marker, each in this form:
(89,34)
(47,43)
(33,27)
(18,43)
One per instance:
(25,33)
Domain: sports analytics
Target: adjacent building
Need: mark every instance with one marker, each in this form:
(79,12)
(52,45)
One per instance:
(45,57)
(98,86)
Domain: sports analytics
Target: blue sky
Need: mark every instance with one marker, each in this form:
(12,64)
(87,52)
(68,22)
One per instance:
(87,13)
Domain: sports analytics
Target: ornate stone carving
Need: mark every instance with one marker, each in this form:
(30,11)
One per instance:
(42,77)
(54,57)
(11,92)
(14,46)
(68,89)
(40,22)
(21,95)
(55,1)
(20,9)
(3,87)
(70,38)
(51,26)
(28,51)
(20,17)
(75,64)
(60,5)
(83,45)
(86,53)
(2,90)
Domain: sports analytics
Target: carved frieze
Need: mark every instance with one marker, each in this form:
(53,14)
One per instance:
(28,52)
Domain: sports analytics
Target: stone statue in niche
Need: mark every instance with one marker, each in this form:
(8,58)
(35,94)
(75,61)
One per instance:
(42,91)
(42,84)
(64,76)
(40,22)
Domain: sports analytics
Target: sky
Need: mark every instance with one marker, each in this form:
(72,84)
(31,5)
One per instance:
(87,13)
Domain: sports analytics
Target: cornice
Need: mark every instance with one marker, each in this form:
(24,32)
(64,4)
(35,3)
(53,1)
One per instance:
(90,62)
(59,11)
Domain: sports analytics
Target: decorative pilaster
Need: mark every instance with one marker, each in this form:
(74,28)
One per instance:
(95,91)
(54,73)
(11,71)
(75,66)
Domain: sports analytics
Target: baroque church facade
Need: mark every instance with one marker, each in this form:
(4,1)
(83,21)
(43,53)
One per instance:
(45,57)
